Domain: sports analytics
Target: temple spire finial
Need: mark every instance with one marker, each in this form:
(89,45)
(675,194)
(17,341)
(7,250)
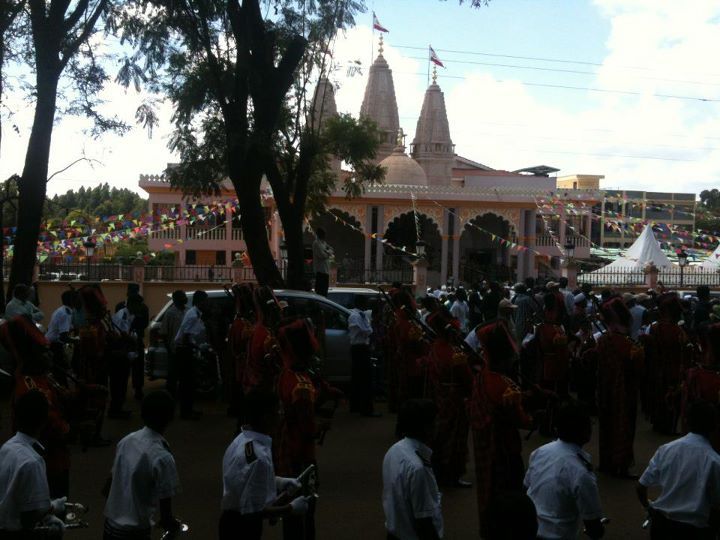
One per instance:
(380,46)
(434,74)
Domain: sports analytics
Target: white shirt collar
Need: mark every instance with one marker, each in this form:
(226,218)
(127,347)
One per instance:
(422,449)
(149,433)
(24,438)
(698,439)
(263,439)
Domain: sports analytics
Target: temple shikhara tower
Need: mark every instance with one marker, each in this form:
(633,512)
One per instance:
(470,220)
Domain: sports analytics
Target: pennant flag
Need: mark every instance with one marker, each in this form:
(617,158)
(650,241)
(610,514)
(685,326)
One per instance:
(377,26)
(435,59)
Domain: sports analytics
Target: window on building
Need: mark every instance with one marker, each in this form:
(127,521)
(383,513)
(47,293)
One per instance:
(190,256)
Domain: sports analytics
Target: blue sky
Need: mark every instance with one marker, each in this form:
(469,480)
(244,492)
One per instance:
(641,140)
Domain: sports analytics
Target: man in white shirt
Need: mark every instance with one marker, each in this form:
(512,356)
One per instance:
(251,491)
(411,499)
(24,492)
(169,327)
(688,473)
(637,311)
(322,253)
(119,365)
(21,305)
(191,334)
(144,476)
(59,328)
(460,309)
(568,296)
(360,329)
(560,481)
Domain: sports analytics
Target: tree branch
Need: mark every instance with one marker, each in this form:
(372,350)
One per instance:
(78,160)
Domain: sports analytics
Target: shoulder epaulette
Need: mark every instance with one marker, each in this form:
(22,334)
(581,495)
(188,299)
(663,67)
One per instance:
(424,460)
(585,462)
(250,452)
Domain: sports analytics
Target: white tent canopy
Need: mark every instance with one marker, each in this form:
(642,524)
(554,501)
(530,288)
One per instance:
(645,250)
(713,260)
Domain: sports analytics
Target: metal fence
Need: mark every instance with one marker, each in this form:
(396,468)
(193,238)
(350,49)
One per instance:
(85,272)
(630,277)
(691,276)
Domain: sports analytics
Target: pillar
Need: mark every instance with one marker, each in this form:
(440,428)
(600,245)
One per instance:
(228,235)
(521,254)
(651,277)
(138,272)
(569,271)
(530,233)
(380,234)
(562,218)
(367,253)
(420,268)
(456,257)
(444,248)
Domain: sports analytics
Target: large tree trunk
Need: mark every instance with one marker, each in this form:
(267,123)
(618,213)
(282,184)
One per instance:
(33,183)
(293,226)
(246,176)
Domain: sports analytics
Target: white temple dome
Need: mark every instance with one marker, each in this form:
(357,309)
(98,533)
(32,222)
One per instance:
(403,170)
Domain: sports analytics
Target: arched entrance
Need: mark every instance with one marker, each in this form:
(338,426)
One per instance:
(403,232)
(485,257)
(345,235)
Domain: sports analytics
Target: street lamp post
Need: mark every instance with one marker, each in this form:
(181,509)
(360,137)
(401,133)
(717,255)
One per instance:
(89,252)
(570,249)
(682,262)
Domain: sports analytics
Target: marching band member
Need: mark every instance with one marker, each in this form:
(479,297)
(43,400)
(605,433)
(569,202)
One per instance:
(23,337)
(263,356)
(496,413)
(191,335)
(560,480)
(144,476)
(411,347)
(298,430)
(451,381)
(688,472)
(702,383)
(251,491)
(59,328)
(21,305)
(620,368)
(239,335)
(411,498)
(24,492)
(667,355)
(169,327)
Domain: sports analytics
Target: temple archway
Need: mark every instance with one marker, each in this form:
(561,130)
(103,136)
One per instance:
(345,235)
(485,257)
(403,232)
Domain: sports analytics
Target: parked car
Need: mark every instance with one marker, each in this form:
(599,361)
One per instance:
(336,366)
(346,296)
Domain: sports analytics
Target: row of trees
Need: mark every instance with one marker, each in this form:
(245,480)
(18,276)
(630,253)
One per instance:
(239,74)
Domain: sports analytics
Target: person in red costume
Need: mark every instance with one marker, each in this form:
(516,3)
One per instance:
(668,355)
(239,335)
(451,382)
(702,383)
(32,354)
(496,414)
(620,366)
(410,348)
(263,356)
(301,392)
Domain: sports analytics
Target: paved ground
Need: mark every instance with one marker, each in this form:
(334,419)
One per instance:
(350,468)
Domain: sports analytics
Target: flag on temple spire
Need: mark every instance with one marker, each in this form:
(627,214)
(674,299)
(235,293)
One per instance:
(434,58)
(377,26)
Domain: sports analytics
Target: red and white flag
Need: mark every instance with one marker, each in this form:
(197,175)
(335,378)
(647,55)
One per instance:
(435,59)
(377,26)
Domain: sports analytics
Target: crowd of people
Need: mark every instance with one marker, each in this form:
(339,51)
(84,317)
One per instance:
(461,368)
